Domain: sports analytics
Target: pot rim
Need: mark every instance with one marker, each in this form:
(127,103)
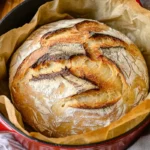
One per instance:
(15,129)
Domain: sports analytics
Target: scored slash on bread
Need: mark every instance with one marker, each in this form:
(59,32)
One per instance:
(78,68)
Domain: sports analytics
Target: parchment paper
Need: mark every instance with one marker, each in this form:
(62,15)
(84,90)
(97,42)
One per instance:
(124,15)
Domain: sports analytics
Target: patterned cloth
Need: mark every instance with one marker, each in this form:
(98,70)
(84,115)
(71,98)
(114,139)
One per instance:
(8,142)
(143,143)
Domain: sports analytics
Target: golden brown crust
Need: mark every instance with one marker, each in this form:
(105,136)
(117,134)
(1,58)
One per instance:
(81,77)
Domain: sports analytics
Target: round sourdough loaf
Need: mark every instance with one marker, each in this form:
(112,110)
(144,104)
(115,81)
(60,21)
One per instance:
(74,76)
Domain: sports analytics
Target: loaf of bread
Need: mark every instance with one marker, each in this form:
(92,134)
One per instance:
(74,76)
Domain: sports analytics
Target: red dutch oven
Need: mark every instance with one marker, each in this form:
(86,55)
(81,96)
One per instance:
(17,17)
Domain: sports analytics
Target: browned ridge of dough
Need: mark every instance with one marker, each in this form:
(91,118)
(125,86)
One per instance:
(63,72)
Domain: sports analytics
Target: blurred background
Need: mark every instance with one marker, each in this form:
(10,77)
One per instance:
(145,3)
(7,5)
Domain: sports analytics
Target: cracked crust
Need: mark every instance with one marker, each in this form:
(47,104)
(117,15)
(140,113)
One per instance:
(73,76)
